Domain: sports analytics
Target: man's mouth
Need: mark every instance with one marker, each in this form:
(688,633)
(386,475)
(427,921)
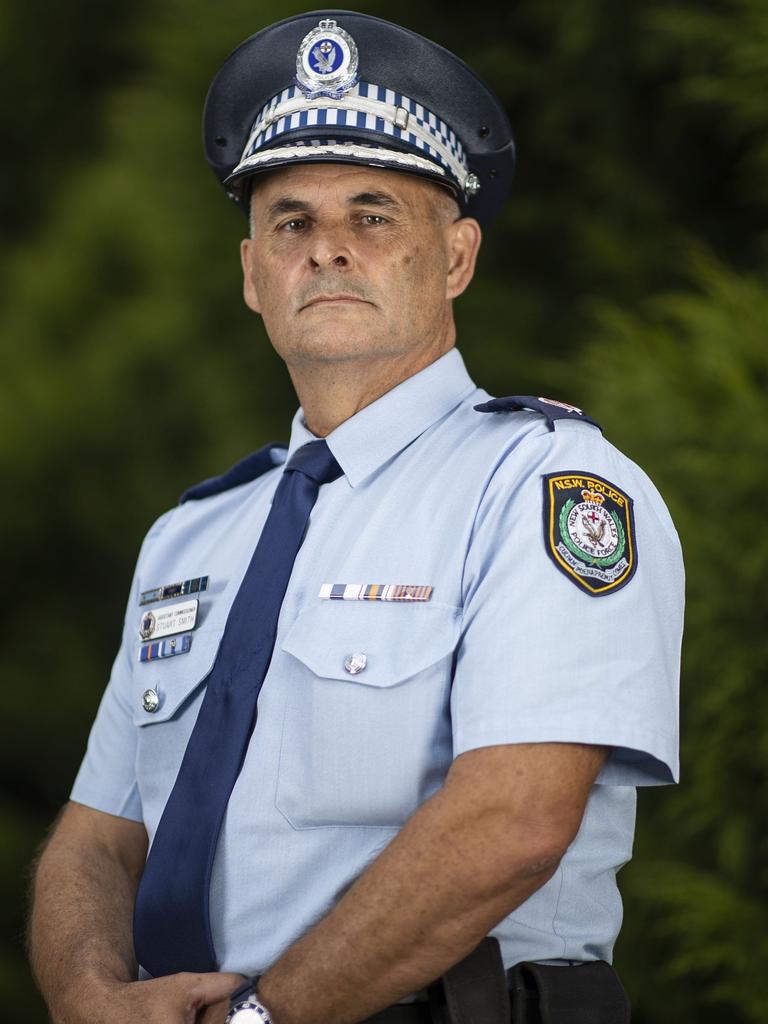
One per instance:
(322,300)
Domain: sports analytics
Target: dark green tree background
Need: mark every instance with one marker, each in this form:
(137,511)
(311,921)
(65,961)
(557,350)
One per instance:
(627,274)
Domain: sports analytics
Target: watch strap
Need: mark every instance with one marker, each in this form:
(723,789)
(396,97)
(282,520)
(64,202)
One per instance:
(248,988)
(244,1002)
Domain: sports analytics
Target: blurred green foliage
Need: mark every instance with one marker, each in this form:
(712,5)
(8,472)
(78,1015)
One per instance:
(627,274)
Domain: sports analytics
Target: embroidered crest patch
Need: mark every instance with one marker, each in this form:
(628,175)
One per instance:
(589,531)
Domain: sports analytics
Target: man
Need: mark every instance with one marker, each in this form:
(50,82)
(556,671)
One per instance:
(390,691)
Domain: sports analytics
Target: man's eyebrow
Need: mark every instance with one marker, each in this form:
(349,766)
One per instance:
(287,204)
(381,199)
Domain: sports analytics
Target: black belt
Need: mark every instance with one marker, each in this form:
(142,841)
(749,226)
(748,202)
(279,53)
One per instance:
(477,989)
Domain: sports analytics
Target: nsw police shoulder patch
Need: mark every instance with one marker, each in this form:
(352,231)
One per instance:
(589,531)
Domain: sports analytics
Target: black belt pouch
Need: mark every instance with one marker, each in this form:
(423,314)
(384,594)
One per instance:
(475,991)
(586,993)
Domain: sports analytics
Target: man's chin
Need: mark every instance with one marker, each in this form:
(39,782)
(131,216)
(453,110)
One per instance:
(333,344)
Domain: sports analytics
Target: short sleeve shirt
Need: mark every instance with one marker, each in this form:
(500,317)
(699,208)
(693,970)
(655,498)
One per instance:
(506,649)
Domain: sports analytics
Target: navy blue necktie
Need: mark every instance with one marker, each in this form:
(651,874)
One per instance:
(171,926)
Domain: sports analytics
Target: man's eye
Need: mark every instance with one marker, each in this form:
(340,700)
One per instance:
(294,224)
(373,219)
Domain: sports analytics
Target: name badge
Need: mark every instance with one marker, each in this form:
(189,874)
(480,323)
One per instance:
(176,618)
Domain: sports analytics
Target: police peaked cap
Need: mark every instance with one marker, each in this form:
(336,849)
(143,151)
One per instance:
(342,87)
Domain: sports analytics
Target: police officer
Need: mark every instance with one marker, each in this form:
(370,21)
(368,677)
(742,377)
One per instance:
(389,690)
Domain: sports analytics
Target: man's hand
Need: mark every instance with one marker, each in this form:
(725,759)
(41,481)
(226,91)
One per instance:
(216,1013)
(80,933)
(177,999)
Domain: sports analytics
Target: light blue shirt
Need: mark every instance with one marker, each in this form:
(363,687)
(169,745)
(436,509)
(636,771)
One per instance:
(507,650)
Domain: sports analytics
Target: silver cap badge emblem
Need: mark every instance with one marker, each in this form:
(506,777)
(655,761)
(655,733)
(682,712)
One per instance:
(326,64)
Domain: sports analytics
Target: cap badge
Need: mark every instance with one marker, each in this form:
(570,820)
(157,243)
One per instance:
(326,64)
(472,185)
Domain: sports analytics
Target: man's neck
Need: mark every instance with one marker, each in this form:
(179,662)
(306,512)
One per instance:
(333,392)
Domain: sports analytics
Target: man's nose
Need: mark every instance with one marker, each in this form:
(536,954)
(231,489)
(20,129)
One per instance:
(330,248)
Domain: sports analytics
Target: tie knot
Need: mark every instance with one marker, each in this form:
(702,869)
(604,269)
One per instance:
(316,461)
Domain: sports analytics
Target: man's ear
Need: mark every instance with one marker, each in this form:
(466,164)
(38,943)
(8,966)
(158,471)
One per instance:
(463,239)
(250,293)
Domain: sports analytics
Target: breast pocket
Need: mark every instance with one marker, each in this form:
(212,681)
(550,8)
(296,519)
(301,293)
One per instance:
(166,698)
(366,732)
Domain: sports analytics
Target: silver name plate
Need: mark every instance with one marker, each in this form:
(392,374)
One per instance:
(176,618)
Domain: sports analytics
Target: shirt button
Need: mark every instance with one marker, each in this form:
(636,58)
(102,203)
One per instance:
(150,701)
(354,663)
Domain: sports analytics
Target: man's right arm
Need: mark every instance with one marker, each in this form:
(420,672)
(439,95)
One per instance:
(80,933)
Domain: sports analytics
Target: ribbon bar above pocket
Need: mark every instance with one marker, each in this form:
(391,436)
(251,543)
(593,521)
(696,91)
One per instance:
(375,592)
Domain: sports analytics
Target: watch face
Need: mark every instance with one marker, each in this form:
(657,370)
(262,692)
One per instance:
(246,1013)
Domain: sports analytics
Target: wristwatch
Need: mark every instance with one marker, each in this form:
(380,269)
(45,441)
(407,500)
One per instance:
(245,1008)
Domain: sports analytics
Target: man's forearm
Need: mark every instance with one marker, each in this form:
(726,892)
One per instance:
(81,936)
(80,928)
(450,875)
(413,913)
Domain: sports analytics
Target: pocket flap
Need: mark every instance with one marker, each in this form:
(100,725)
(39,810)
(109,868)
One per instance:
(397,640)
(172,679)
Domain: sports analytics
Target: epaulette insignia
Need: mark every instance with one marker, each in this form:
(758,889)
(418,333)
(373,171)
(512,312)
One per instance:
(242,472)
(589,531)
(550,408)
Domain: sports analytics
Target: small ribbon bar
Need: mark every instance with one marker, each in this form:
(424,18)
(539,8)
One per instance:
(165,648)
(195,586)
(375,592)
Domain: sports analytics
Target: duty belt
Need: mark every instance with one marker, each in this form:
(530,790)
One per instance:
(478,990)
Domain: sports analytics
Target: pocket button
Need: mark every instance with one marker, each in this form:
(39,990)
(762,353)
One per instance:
(150,701)
(355,663)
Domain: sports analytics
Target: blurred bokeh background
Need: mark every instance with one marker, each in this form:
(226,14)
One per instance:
(627,275)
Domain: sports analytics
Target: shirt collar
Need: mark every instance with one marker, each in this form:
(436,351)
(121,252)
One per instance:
(378,432)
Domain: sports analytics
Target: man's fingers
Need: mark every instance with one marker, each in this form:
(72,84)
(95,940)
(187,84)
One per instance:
(214,1014)
(207,989)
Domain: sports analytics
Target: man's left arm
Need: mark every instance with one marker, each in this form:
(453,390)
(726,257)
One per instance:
(486,841)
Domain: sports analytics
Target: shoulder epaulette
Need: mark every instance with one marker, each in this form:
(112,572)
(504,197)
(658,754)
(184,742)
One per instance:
(548,407)
(242,472)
